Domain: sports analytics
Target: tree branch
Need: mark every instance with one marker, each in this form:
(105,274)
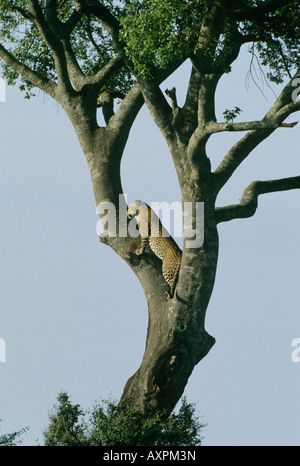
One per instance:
(120,123)
(72,22)
(260,12)
(107,19)
(249,202)
(157,104)
(280,110)
(37,80)
(215,127)
(105,73)
(171,93)
(44,29)
(52,19)
(53,42)
(25,13)
(189,111)
(131,105)
(205,114)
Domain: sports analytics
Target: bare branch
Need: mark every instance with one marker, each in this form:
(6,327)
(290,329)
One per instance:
(281,109)
(214,127)
(249,202)
(205,115)
(288,110)
(131,105)
(189,110)
(171,93)
(206,99)
(158,106)
(121,123)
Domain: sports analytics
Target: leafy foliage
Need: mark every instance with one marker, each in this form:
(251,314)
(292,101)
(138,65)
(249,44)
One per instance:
(230,115)
(278,46)
(91,44)
(154,33)
(66,427)
(110,425)
(13,439)
(157,31)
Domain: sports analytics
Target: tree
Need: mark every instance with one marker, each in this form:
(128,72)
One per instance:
(110,425)
(66,427)
(87,54)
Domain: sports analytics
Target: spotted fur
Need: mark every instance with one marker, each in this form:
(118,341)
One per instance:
(161,243)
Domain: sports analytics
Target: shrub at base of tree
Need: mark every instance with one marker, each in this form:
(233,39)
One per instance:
(109,425)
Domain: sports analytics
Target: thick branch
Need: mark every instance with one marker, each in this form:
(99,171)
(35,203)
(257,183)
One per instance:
(25,13)
(106,72)
(37,80)
(288,110)
(157,105)
(72,22)
(51,17)
(261,12)
(54,43)
(43,27)
(206,99)
(249,202)
(190,108)
(120,123)
(61,32)
(205,114)
(107,19)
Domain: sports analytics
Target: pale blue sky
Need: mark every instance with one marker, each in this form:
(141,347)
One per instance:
(73,314)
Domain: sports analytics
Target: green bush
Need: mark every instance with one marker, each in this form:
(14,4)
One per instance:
(109,425)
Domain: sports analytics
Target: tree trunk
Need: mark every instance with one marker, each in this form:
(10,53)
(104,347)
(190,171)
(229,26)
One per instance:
(176,337)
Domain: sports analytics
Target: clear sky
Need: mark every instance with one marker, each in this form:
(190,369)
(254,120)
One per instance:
(72,313)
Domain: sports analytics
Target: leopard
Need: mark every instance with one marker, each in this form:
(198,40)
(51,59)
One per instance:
(154,234)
